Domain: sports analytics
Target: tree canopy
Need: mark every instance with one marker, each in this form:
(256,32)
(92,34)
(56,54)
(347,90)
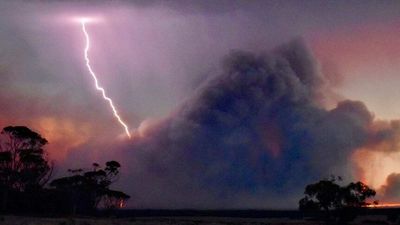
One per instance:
(328,195)
(23,161)
(24,166)
(88,189)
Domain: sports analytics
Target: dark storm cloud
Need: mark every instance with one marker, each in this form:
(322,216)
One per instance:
(250,133)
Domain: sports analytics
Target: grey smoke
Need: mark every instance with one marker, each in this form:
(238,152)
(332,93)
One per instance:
(253,132)
(390,192)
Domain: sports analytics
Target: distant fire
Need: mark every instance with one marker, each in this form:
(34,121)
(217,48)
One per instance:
(384,205)
(375,165)
(121,204)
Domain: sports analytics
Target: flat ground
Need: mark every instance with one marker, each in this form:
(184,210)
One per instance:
(18,220)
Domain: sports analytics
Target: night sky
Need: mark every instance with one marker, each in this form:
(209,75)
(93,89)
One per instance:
(230,104)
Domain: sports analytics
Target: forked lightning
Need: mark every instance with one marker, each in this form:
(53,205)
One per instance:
(98,87)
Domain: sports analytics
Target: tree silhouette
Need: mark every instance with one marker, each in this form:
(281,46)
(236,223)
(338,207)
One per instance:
(324,194)
(87,189)
(355,194)
(328,195)
(25,170)
(24,166)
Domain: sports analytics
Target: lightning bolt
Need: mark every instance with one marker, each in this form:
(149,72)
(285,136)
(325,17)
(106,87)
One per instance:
(98,87)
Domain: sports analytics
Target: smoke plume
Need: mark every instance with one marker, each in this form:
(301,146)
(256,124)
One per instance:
(255,131)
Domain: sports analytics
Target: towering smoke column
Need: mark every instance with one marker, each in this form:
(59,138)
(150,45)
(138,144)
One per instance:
(101,89)
(252,136)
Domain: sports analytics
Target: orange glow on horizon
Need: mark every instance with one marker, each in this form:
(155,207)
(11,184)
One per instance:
(373,167)
(62,135)
(384,205)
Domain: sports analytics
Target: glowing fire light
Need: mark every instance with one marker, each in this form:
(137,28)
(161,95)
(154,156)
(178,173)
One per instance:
(83,21)
(121,204)
(384,205)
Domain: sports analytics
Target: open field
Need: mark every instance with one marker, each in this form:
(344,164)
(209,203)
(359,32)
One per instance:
(19,220)
(16,220)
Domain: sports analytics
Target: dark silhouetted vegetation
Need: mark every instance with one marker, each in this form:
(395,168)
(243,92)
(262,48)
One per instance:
(85,191)
(327,195)
(25,172)
(24,168)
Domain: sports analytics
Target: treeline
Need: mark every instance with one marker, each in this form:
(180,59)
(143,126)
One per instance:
(26,184)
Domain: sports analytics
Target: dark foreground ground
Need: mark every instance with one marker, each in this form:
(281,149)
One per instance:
(208,217)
